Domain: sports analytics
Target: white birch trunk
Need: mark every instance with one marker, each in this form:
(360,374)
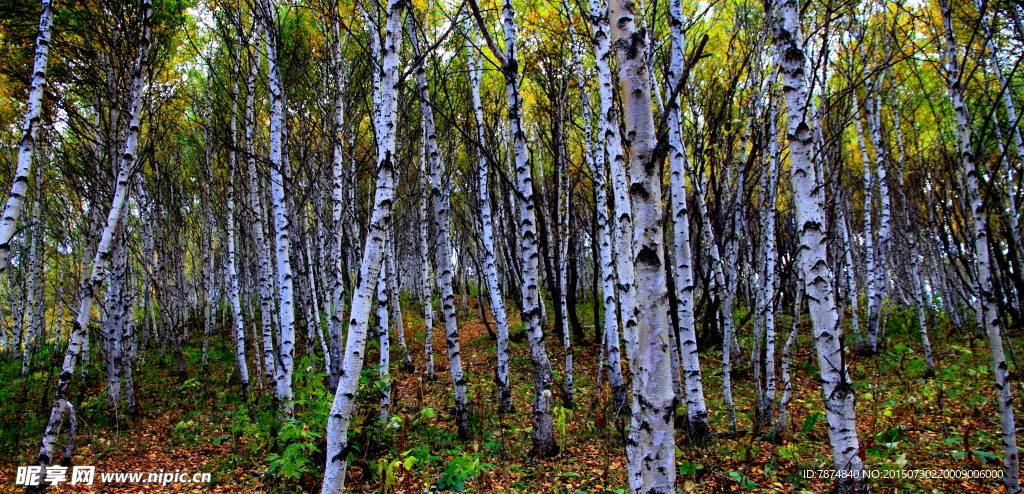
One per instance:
(693,385)
(282,237)
(232,270)
(90,290)
(338,201)
(989,308)
(427,290)
(850,272)
(618,296)
(650,448)
(439,194)
(873,111)
(258,212)
(770,283)
(808,189)
(494,289)
(36,289)
(725,298)
(380,220)
(30,131)
(874,292)
(543,425)
(384,338)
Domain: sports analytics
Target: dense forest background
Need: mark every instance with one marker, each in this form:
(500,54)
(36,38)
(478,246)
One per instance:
(648,246)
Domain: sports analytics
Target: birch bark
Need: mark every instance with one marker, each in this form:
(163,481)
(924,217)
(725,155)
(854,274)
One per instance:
(282,236)
(693,386)
(989,304)
(650,448)
(125,175)
(837,389)
(439,194)
(617,277)
(494,289)
(380,220)
(30,131)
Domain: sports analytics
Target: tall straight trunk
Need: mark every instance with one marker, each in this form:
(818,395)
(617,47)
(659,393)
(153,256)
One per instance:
(562,262)
(35,331)
(724,295)
(543,424)
(693,385)
(874,292)
(490,269)
(30,131)
(90,290)
(258,212)
(385,122)
(544,444)
(282,237)
(338,201)
(427,289)
(873,117)
(117,312)
(232,262)
(650,448)
(439,194)
(837,389)
(384,339)
(989,303)
(618,295)
(766,300)
(849,273)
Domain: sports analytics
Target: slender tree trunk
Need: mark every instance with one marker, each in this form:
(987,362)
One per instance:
(232,262)
(30,131)
(696,409)
(337,205)
(384,338)
(989,310)
(784,17)
(282,237)
(621,246)
(36,301)
(91,289)
(380,221)
(490,270)
(439,193)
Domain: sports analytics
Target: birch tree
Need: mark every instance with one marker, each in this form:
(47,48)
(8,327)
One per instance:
(650,449)
(696,409)
(385,124)
(30,132)
(837,389)
(90,290)
(494,288)
(282,238)
(988,310)
(543,427)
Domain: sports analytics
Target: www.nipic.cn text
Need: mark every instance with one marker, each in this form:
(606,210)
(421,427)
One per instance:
(86,475)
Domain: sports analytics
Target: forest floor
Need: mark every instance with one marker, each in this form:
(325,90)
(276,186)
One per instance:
(909,426)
